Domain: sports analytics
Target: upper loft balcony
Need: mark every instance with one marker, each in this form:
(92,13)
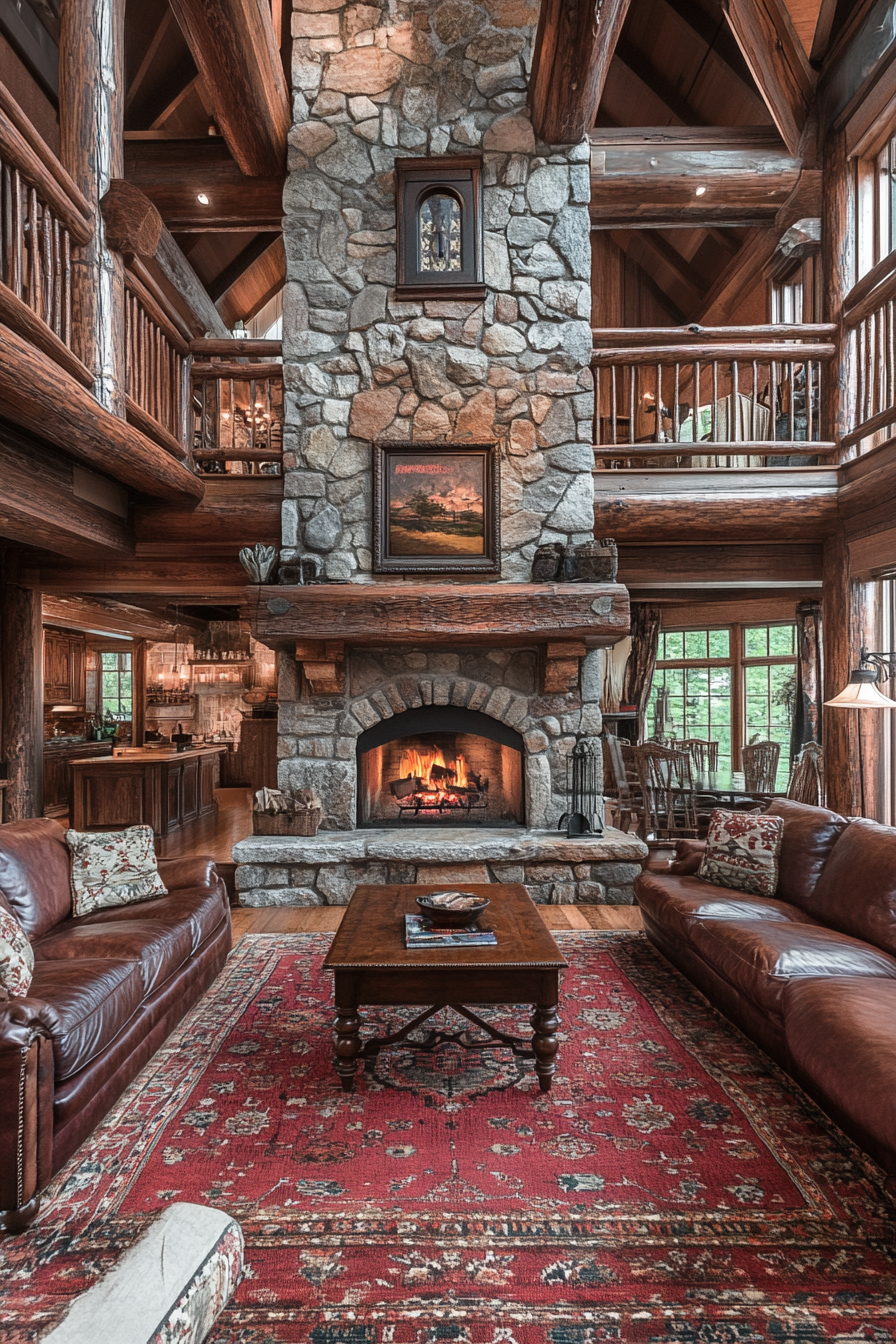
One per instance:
(712,396)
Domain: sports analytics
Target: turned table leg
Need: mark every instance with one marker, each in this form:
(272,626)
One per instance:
(346,1033)
(545,1021)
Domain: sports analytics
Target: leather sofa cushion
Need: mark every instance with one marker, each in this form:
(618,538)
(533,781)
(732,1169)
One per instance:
(688,857)
(160,950)
(856,893)
(759,957)
(841,1036)
(201,909)
(810,834)
(675,902)
(84,1005)
(35,873)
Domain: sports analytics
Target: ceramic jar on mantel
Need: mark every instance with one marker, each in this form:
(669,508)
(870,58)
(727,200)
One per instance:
(589,562)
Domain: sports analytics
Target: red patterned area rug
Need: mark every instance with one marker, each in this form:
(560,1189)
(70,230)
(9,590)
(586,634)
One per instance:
(673,1188)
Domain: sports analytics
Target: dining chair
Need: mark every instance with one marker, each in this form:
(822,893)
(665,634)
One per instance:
(667,790)
(760,760)
(626,792)
(807,777)
(704,755)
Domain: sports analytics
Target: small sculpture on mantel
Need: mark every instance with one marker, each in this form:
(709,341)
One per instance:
(546,562)
(589,562)
(304,569)
(258,561)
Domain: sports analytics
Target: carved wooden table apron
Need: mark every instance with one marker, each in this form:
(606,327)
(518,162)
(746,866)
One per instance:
(371,966)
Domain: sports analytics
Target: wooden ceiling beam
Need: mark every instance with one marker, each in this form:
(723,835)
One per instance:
(574,45)
(173,172)
(239,266)
(235,50)
(256,286)
(774,54)
(152,50)
(189,582)
(628,55)
(39,507)
(651,250)
(96,616)
(134,227)
(719,565)
(689,177)
(748,267)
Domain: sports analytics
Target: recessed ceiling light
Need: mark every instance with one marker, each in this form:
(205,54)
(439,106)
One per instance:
(701,191)
(203,199)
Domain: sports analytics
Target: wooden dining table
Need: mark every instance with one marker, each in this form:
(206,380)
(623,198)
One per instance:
(722,785)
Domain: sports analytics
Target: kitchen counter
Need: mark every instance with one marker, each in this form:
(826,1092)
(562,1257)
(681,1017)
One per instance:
(162,788)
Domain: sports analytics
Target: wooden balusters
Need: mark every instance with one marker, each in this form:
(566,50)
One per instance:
(704,397)
(870,348)
(156,359)
(238,406)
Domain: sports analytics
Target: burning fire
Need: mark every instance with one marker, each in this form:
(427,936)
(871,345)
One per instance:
(419,765)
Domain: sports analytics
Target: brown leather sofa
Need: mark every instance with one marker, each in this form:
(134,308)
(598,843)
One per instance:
(811,974)
(107,990)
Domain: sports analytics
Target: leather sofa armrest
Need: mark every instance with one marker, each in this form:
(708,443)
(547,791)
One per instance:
(26,1110)
(193,871)
(688,857)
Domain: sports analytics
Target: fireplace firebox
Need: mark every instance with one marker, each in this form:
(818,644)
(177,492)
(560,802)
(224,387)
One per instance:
(440,766)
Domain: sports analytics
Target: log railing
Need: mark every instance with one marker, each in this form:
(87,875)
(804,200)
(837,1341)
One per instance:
(157,361)
(44,218)
(869,322)
(238,407)
(704,396)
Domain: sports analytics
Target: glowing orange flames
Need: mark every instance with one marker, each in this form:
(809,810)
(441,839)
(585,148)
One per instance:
(415,764)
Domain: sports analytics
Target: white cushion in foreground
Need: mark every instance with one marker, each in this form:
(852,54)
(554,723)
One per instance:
(172,1285)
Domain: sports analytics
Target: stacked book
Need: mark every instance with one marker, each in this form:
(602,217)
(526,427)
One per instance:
(420,932)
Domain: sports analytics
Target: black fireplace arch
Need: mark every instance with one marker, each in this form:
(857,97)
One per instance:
(492,791)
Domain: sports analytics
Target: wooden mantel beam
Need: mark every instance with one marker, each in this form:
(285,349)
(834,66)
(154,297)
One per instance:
(574,45)
(777,62)
(135,228)
(235,50)
(39,396)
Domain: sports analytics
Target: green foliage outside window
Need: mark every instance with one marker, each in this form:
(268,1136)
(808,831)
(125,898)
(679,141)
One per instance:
(116,694)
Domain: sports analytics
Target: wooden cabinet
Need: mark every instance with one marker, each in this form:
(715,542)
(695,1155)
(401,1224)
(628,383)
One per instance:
(58,772)
(257,755)
(162,790)
(65,664)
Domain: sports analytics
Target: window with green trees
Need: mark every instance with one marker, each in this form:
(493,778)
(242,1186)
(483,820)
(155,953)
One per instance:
(115,685)
(732,685)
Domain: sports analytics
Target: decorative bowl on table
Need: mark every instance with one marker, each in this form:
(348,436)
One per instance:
(452,909)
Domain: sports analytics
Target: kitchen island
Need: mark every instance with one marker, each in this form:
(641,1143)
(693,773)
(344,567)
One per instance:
(160,788)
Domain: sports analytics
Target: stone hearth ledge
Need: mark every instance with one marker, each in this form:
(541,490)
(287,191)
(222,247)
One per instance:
(325,869)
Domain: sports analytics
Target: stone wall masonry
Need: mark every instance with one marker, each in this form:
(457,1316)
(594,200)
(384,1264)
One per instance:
(318,736)
(325,869)
(439,77)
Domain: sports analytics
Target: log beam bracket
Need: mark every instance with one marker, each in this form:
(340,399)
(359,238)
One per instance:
(560,665)
(323,665)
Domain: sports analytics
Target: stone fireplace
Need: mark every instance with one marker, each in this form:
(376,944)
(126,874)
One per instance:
(440,765)
(367,659)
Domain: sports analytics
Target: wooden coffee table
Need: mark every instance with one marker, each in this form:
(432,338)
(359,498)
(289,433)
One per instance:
(372,966)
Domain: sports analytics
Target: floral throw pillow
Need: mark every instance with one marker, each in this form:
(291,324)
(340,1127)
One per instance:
(113,868)
(16,956)
(742,851)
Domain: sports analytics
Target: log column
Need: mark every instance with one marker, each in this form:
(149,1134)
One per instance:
(21,677)
(91,120)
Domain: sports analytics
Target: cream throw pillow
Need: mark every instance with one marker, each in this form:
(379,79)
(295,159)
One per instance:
(113,868)
(16,956)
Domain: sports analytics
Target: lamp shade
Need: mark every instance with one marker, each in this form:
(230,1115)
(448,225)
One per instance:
(861,693)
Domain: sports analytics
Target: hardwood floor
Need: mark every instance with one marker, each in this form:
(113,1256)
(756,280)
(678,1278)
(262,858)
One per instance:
(318,919)
(216,834)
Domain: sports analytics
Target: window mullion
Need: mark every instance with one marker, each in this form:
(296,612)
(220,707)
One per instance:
(738,697)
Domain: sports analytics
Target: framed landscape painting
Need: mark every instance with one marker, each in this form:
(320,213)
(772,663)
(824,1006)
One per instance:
(436,508)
